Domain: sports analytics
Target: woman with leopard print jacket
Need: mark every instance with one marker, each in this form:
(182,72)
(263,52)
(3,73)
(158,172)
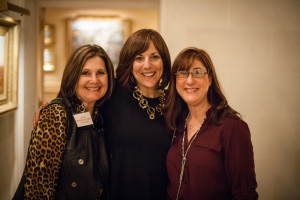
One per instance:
(63,161)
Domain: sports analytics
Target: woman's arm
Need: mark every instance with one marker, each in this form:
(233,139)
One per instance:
(239,160)
(45,151)
(36,115)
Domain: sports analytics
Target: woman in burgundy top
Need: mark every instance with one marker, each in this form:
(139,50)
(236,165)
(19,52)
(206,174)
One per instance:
(211,156)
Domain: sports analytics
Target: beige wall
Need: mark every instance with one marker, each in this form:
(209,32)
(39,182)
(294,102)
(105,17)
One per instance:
(139,18)
(255,46)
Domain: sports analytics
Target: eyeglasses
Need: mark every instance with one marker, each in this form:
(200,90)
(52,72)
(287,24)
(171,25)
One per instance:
(195,74)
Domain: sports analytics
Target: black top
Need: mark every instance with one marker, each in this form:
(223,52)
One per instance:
(137,148)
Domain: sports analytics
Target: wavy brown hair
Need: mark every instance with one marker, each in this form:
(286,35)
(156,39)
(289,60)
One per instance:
(73,69)
(177,109)
(136,44)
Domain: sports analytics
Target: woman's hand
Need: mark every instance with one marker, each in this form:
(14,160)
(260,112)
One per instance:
(36,115)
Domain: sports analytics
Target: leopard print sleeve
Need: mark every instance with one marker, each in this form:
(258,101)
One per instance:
(44,158)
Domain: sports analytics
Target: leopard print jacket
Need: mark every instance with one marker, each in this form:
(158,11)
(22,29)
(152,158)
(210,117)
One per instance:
(46,147)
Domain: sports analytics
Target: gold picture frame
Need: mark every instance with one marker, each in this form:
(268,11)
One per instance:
(9,59)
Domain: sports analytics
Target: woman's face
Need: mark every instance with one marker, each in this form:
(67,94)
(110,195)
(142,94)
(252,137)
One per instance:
(148,69)
(194,90)
(93,81)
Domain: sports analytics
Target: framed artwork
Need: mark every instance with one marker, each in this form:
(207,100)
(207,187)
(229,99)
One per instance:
(49,53)
(49,58)
(108,32)
(49,34)
(9,58)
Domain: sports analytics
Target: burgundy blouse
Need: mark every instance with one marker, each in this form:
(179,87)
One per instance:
(219,165)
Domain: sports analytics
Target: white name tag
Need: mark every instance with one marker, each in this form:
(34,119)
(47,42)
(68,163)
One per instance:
(83,119)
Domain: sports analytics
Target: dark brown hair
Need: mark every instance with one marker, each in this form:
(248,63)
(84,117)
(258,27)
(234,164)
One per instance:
(136,44)
(73,69)
(176,107)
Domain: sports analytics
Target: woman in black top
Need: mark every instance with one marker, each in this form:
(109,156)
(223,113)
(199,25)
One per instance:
(137,138)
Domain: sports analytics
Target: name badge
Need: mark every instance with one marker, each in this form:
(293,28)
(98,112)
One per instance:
(83,119)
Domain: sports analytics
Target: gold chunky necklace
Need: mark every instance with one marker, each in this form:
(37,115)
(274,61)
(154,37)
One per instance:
(144,102)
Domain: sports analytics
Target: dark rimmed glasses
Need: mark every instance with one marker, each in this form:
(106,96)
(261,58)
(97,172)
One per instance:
(195,74)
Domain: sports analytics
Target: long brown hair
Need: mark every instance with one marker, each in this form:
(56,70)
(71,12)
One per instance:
(136,44)
(176,108)
(73,69)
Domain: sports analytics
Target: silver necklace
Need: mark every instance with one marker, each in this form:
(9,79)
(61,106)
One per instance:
(184,154)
